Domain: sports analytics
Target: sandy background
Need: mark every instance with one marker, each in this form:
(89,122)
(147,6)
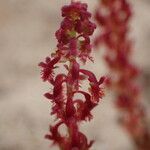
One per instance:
(27,30)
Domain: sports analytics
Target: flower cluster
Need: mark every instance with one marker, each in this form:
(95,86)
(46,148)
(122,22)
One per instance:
(73,35)
(113,17)
(73,47)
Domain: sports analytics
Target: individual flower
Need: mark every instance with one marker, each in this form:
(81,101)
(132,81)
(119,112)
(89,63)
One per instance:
(95,88)
(47,68)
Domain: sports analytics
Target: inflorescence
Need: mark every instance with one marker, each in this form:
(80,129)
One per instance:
(113,19)
(74,47)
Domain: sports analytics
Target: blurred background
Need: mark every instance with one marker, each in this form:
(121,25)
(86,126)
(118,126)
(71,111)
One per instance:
(27,29)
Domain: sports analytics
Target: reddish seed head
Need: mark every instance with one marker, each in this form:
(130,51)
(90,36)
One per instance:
(113,18)
(73,46)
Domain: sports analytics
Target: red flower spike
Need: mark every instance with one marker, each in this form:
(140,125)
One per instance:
(74,45)
(113,18)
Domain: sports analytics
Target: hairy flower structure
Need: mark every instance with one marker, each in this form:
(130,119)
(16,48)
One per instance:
(73,47)
(113,18)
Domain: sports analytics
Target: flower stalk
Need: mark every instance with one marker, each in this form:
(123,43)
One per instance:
(73,48)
